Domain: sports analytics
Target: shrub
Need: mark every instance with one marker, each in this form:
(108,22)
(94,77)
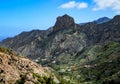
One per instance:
(43,80)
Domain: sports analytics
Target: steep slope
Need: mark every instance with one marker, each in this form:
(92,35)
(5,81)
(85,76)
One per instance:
(79,54)
(25,41)
(104,68)
(65,38)
(37,44)
(99,64)
(76,52)
(63,22)
(103,33)
(18,70)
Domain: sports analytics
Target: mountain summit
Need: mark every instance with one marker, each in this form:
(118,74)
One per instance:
(98,21)
(102,20)
(116,20)
(64,22)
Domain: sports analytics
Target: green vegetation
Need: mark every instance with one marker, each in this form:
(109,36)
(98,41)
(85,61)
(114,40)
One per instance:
(6,50)
(21,80)
(105,68)
(43,80)
(40,79)
(99,64)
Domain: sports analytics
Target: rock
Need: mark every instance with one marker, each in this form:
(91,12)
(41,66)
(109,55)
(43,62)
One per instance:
(64,22)
(19,70)
(116,20)
(28,82)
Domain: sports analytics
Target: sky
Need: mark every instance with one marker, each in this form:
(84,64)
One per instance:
(17,16)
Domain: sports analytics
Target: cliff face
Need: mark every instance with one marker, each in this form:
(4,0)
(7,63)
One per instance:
(103,33)
(64,22)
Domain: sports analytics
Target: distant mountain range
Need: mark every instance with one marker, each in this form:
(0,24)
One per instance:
(2,38)
(86,53)
(99,21)
(102,20)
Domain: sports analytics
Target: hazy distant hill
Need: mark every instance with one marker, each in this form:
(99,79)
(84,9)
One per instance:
(73,49)
(99,21)
(2,38)
(102,20)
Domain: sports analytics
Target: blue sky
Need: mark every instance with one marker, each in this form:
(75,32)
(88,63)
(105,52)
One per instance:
(25,15)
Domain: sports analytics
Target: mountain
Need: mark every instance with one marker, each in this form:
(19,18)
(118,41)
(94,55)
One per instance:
(102,20)
(99,21)
(64,21)
(34,43)
(2,38)
(100,65)
(76,52)
(16,69)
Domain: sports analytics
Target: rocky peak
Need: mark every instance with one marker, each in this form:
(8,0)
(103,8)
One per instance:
(116,20)
(102,20)
(117,16)
(64,22)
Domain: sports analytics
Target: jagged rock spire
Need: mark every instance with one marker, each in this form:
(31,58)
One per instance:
(64,22)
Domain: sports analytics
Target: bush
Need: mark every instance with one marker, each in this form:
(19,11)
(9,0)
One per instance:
(21,80)
(43,80)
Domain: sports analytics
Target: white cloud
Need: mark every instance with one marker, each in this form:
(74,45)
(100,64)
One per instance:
(104,4)
(73,4)
(82,5)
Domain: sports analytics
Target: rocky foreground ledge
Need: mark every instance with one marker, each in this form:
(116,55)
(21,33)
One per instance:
(19,70)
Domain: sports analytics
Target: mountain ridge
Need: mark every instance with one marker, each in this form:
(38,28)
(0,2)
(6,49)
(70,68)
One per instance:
(95,33)
(73,50)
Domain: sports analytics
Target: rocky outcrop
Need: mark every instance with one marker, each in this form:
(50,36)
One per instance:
(116,20)
(64,22)
(19,70)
